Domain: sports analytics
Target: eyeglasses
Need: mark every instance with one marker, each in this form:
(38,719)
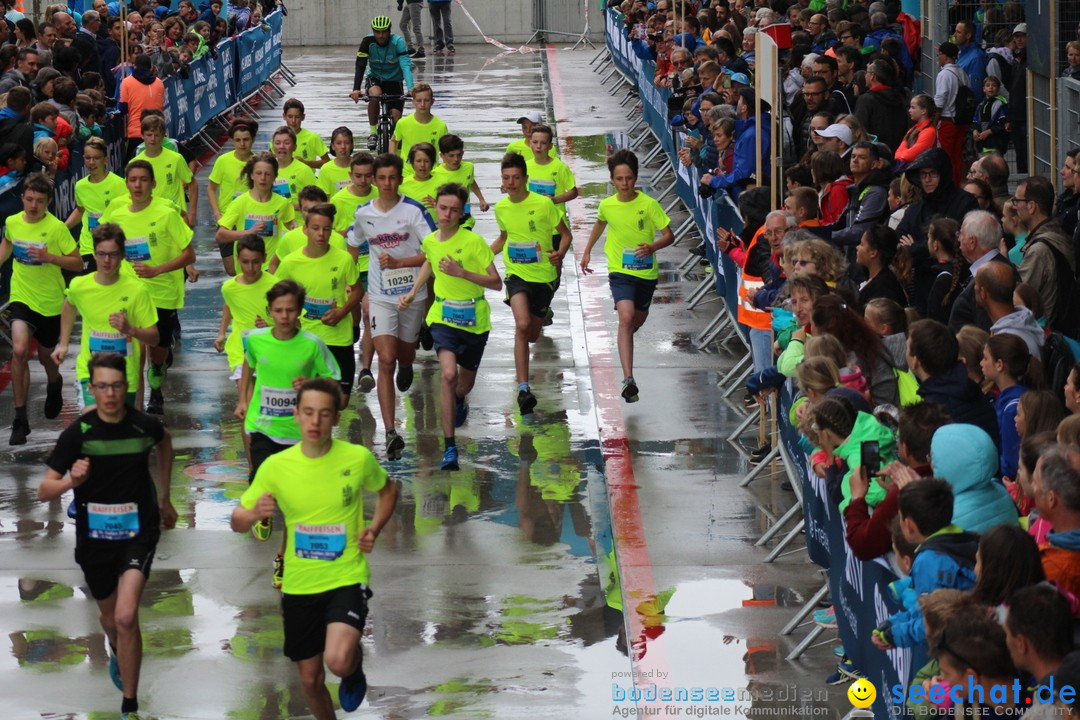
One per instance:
(943,646)
(808,93)
(927,174)
(845,38)
(108,255)
(106,388)
(1017,200)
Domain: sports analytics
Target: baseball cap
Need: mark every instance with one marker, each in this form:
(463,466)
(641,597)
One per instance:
(1020,29)
(740,78)
(950,49)
(532,116)
(837,130)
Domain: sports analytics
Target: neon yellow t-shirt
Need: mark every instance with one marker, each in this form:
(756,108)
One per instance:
(245,213)
(323,503)
(630,224)
(332,178)
(327,280)
(528,225)
(93,198)
(171,174)
(552,179)
(522,148)
(246,302)
(155,235)
(40,286)
(226,173)
(459,302)
(346,203)
(463,176)
(292,179)
(295,239)
(419,189)
(409,131)
(95,303)
(309,145)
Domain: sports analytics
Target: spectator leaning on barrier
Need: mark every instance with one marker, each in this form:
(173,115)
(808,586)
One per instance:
(967,457)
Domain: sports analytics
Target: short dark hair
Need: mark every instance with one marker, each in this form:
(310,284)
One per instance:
(1040,191)
(286,287)
(139,165)
(918,423)
(312,192)
(455,189)
(249,166)
(1042,615)
(362,157)
(450,143)
(243,122)
(253,242)
(323,385)
(426,148)
(928,503)
(325,209)
(724,45)
(64,90)
(623,157)
(19,98)
(387,160)
(292,104)
(107,232)
(39,183)
(934,345)
(109,360)
(542,128)
(829,62)
(513,161)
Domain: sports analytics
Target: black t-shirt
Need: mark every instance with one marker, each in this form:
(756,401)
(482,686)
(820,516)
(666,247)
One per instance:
(119,490)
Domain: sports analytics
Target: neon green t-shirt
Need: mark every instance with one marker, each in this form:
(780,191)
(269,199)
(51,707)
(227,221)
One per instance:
(463,176)
(292,179)
(323,503)
(332,178)
(275,364)
(155,235)
(346,203)
(528,225)
(409,131)
(459,302)
(171,174)
(40,286)
(630,224)
(327,280)
(295,239)
(552,179)
(226,174)
(245,213)
(93,198)
(246,302)
(522,148)
(419,189)
(95,303)
(309,145)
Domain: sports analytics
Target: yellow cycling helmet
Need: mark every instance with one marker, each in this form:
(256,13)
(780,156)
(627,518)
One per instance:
(380,22)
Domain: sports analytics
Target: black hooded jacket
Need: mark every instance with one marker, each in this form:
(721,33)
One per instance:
(883,112)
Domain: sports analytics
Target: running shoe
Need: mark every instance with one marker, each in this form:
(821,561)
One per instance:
(19,430)
(114,671)
(451,51)
(526,401)
(629,390)
(419,54)
(279,572)
(71,511)
(838,651)
(54,399)
(394,445)
(130,716)
(845,673)
(827,620)
(439,53)
(366,381)
(155,376)
(450,459)
(262,529)
(549,317)
(156,406)
(461,412)
(372,142)
(698,251)
(352,690)
(757,456)
(404,377)
(826,614)
(426,340)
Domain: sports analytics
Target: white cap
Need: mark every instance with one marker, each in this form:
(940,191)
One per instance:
(532,116)
(837,130)
(1020,29)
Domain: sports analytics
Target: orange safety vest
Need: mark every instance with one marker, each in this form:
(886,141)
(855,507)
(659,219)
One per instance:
(748,314)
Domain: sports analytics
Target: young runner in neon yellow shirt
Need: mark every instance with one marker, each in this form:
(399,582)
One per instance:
(334,176)
(93,194)
(292,175)
(258,210)
(226,182)
(419,127)
(454,169)
(174,180)
(310,149)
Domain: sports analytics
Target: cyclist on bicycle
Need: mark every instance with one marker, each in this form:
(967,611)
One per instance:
(385,58)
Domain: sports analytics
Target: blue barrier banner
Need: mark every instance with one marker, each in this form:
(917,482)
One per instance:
(259,53)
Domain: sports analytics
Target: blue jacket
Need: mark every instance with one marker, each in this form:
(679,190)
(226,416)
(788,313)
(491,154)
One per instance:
(962,398)
(744,165)
(966,457)
(1005,406)
(946,559)
(972,60)
(875,38)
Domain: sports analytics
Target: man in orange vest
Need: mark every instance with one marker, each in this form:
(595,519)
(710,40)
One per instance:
(751,280)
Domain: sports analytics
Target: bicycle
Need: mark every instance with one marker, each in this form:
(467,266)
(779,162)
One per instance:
(384,128)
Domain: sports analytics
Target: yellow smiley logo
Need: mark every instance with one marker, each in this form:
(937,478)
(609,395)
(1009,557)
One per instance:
(862,693)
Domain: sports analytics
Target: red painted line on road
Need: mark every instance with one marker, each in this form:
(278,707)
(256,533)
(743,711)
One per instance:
(647,649)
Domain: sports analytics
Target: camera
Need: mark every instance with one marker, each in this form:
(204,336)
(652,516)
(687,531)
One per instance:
(706,191)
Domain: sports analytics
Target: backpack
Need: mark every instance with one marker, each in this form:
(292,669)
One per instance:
(1068,303)
(1005,69)
(965,105)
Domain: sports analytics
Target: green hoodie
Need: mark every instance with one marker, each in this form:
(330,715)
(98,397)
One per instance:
(866,428)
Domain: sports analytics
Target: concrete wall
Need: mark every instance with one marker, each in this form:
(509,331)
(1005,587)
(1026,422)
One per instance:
(345,22)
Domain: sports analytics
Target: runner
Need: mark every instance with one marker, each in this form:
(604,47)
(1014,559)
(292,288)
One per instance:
(527,222)
(159,248)
(392,225)
(115,308)
(93,194)
(421,185)
(172,171)
(631,246)
(292,176)
(330,279)
(319,485)
(521,145)
(550,177)
(455,169)
(226,182)
(334,176)
(295,239)
(419,127)
(104,457)
(260,210)
(277,361)
(43,247)
(390,72)
(310,148)
(245,307)
(460,318)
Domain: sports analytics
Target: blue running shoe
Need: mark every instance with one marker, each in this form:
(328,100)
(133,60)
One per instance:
(461,413)
(353,689)
(114,672)
(71,512)
(450,459)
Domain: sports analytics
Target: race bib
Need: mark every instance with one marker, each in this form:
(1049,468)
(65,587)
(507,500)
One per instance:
(92,220)
(523,253)
(252,220)
(137,249)
(363,250)
(630,261)
(468,208)
(319,542)
(398,281)
(342,184)
(542,187)
(276,402)
(113,342)
(22,251)
(281,187)
(112,522)
(315,307)
(459,312)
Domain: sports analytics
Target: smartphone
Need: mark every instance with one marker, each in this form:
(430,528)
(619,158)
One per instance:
(870,456)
